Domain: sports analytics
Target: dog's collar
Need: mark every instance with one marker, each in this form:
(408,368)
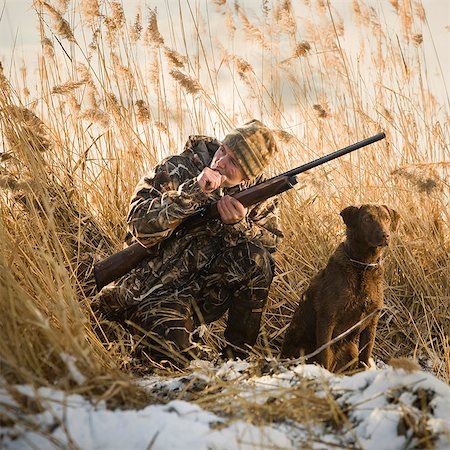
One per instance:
(368,265)
(361,263)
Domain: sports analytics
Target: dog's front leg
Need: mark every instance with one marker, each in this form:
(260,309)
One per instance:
(324,333)
(366,342)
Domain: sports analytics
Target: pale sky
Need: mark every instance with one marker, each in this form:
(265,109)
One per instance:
(19,36)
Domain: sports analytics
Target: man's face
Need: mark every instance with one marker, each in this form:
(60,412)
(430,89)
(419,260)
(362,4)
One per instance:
(226,164)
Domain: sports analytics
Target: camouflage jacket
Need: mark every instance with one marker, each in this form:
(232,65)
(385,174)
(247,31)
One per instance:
(164,198)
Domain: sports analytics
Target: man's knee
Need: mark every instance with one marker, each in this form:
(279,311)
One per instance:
(260,265)
(171,321)
(241,274)
(254,262)
(111,302)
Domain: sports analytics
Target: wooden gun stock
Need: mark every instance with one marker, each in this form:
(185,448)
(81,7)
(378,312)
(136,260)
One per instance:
(118,264)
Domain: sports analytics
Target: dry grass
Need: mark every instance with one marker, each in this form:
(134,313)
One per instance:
(107,107)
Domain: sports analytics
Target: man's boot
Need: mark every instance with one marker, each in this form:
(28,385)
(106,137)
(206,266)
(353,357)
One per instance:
(242,330)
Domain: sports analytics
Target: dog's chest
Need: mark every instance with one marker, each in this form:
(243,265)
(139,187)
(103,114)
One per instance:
(359,307)
(365,293)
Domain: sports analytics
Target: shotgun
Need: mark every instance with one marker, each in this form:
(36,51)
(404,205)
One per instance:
(120,263)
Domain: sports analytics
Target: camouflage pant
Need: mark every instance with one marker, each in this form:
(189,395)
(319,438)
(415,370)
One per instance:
(237,281)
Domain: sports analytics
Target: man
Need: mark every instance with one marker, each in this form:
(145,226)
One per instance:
(194,275)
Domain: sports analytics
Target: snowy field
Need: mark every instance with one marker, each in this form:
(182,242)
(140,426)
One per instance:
(379,409)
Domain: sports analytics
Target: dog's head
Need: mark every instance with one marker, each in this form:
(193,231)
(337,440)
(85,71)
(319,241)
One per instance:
(372,224)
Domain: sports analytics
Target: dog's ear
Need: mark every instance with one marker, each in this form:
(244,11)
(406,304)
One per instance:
(349,215)
(395,218)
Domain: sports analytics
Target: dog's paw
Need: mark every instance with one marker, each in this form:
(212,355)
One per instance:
(372,364)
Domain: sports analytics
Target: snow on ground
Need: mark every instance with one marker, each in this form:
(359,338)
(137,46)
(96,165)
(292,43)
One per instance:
(384,409)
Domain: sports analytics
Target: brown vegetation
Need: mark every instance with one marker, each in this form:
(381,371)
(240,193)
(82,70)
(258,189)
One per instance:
(74,150)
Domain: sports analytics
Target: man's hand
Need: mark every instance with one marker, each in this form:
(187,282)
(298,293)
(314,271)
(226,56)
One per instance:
(209,180)
(231,210)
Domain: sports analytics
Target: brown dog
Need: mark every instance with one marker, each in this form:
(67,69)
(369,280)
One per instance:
(346,291)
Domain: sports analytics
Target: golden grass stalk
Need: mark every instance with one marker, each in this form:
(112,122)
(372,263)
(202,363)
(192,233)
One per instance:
(62,27)
(136,29)
(152,36)
(253,32)
(143,114)
(176,59)
(90,10)
(187,82)
(67,87)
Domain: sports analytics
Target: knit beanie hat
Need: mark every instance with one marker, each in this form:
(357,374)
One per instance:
(253,145)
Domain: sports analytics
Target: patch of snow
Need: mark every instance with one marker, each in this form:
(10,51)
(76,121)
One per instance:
(385,406)
(385,409)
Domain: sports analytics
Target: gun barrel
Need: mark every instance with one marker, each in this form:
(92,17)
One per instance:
(334,155)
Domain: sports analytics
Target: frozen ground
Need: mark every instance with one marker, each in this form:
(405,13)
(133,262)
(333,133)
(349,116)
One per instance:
(381,408)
